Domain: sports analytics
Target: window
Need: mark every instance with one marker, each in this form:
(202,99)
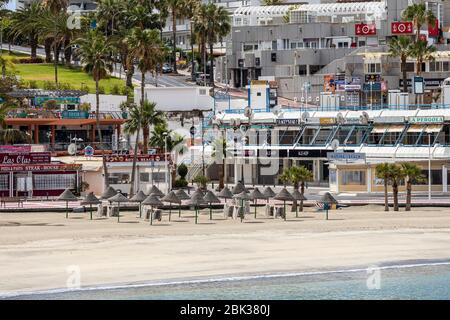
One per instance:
(373,67)
(54,181)
(144,177)
(274,57)
(410,66)
(4,182)
(353,178)
(119,178)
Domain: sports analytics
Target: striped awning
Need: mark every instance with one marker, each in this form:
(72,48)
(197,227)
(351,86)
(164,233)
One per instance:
(434,128)
(417,128)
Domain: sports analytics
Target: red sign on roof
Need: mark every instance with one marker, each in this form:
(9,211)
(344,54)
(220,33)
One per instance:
(402,27)
(433,30)
(363,29)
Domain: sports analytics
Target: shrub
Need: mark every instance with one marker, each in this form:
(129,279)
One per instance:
(101,90)
(51,105)
(115,89)
(28,60)
(32,84)
(182,171)
(84,107)
(65,86)
(84,87)
(49,85)
(125,91)
(201,181)
(180,183)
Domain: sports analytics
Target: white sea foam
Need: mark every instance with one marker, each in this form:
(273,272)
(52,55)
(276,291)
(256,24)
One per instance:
(217,279)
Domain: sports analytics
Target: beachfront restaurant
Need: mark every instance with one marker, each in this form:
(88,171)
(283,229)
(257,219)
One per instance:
(34,174)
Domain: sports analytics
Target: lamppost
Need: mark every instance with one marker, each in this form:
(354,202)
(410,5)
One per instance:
(166,135)
(75,140)
(429,166)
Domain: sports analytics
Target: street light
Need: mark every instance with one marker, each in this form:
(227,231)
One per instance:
(166,135)
(429,166)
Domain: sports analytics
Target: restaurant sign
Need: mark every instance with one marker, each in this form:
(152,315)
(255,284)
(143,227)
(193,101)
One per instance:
(346,156)
(287,122)
(40,167)
(25,158)
(327,121)
(140,158)
(426,120)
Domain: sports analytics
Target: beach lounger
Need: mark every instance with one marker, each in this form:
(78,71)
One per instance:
(113,211)
(235,212)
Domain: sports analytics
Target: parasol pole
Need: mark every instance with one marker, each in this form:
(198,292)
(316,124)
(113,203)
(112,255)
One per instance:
(118,212)
(90,210)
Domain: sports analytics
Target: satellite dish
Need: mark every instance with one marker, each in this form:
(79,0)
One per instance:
(364,118)
(295,99)
(340,118)
(334,144)
(305,116)
(72,149)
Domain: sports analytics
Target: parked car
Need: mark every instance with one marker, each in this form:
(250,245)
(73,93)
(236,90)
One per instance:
(166,68)
(202,79)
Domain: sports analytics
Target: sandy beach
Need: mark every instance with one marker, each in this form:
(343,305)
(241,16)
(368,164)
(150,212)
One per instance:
(36,249)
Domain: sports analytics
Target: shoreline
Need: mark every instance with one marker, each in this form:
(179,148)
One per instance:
(226,278)
(37,249)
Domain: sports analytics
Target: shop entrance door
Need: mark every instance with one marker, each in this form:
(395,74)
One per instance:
(23,184)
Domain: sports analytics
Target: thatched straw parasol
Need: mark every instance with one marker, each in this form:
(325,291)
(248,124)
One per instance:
(139,197)
(210,198)
(108,193)
(196,200)
(255,195)
(327,200)
(284,196)
(171,198)
(297,195)
(152,200)
(154,190)
(239,188)
(119,198)
(182,196)
(225,193)
(269,193)
(90,200)
(67,196)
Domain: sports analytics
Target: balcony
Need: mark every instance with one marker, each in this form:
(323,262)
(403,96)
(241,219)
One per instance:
(34,113)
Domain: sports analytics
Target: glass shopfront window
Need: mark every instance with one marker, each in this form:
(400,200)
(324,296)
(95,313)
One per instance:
(119,178)
(353,177)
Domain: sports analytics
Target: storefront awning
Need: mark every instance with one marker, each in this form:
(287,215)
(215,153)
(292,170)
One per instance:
(434,128)
(396,128)
(416,128)
(379,129)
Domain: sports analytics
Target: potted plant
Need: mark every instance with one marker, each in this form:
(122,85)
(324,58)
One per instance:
(201,181)
(85,108)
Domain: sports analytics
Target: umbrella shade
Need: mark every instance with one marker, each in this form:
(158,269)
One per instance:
(242,196)
(197,198)
(138,197)
(152,200)
(284,195)
(67,195)
(119,198)
(182,195)
(256,194)
(211,198)
(154,190)
(197,194)
(109,192)
(90,199)
(225,193)
(239,188)
(171,197)
(269,193)
(298,196)
(328,199)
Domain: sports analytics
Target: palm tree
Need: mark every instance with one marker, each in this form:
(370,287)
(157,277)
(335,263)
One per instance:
(109,13)
(401,47)
(10,136)
(26,22)
(214,22)
(419,15)
(146,46)
(94,51)
(177,10)
(220,153)
(175,143)
(4,64)
(298,176)
(422,52)
(382,172)
(141,118)
(396,174)
(191,10)
(412,173)
(55,7)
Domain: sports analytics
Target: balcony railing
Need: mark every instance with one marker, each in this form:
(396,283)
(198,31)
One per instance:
(66,114)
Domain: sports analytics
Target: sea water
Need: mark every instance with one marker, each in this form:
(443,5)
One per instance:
(429,281)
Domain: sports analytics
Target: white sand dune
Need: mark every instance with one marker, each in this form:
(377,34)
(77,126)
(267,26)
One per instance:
(37,248)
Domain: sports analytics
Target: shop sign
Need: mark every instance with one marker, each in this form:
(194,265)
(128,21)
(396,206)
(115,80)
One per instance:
(25,158)
(15,149)
(402,27)
(327,121)
(352,87)
(296,153)
(428,82)
(363,29)
(389,120)
(425,120)
(40,167)
(373,77)
(375,86)
(287,122)
(345,156)
(140,158)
